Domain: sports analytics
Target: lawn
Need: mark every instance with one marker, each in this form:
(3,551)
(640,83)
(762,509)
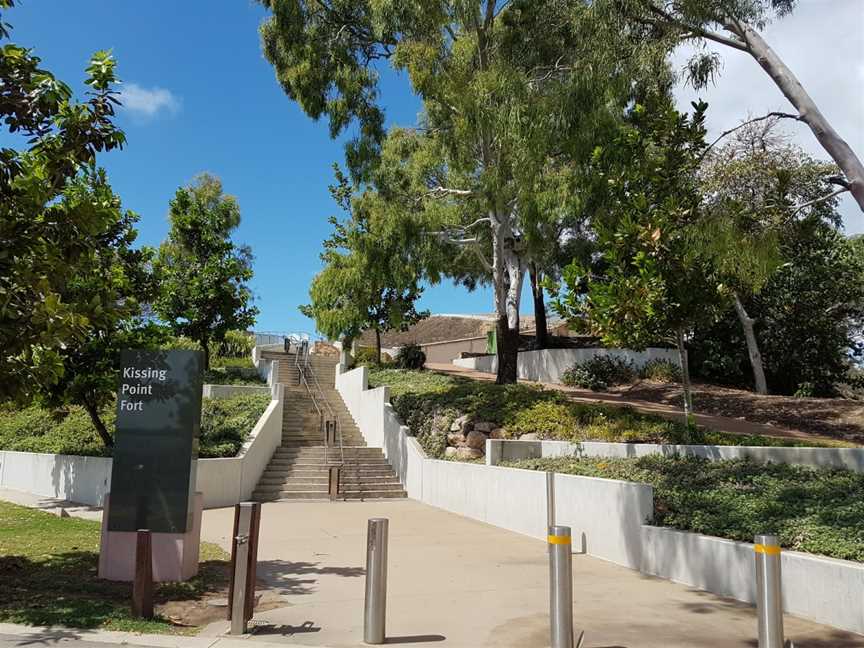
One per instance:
(48,568)
(819,511)
(225,425)
(428,402)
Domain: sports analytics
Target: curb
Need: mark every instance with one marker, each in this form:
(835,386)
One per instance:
(56,634)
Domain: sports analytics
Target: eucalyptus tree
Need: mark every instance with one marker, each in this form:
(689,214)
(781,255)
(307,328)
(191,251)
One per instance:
(736,24)
(44,237)
(502,85)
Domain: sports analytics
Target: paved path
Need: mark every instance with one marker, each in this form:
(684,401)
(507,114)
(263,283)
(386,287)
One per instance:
(457,582)
(710,421)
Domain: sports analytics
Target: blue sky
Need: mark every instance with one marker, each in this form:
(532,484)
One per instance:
(201,97)
(205,99)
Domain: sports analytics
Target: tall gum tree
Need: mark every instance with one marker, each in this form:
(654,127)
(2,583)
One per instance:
(503,84)
(736,24)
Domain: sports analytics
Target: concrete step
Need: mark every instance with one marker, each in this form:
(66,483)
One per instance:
(315,495)
(322,472)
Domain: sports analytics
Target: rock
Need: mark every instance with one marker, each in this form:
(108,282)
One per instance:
(456,439)
(451,452)
(484,426)
(476,440)
(530,436)
(461,424)
(498,433)
(467,453)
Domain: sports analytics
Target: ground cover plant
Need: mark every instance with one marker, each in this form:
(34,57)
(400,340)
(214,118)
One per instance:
(600,372)
(225,425)
(48,576)
(819,511)
(429,402)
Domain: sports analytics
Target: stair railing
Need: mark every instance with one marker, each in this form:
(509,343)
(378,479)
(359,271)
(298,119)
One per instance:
(337,429)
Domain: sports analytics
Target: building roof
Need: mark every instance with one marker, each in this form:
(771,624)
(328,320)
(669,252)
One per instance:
(442,328)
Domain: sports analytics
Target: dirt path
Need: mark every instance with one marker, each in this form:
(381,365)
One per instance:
(664,401)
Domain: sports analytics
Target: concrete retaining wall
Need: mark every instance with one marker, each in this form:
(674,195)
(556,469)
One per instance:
(608,518)
(548,365)
(500,450)
(85,480)
(228,391)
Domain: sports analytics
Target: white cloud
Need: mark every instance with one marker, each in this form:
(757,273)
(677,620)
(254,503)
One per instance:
(823,44)
(147,102)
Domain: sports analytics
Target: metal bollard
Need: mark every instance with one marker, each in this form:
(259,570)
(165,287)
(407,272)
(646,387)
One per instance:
(550,499)
(374,613)
(560,586)
(239,582)
(333,481)
(769,599)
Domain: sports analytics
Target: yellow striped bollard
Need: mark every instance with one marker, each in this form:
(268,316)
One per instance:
(769,597)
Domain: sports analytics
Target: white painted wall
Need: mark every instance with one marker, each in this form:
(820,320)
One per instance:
(227,391)
(824,590)
(548,365)
(85,480)
(607,517)
(499,450)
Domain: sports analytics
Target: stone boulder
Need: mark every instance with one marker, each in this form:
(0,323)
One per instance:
(467,453)
(484,426)
(476,440)
(456,439)
(498,433)
(530,436)
(461,424)
(451,453)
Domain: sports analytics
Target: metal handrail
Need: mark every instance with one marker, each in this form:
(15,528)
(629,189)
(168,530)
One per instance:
(332,412)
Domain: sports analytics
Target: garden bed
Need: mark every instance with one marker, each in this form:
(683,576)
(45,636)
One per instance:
(430,402)
(813,510)
(225,425)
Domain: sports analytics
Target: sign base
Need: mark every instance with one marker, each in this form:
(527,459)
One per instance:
(175,555)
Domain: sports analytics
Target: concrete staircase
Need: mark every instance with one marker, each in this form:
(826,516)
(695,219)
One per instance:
(300,467)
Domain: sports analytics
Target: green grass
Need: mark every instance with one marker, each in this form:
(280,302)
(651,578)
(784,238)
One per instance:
(428,402)
(819,511)
(48,576)
(225,425)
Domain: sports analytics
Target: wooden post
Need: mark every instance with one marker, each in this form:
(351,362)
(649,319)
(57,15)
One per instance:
(253,560)
(233,558)
(142,587)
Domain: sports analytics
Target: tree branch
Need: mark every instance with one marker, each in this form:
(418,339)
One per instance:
(698,31)
(819,200)
(771,115)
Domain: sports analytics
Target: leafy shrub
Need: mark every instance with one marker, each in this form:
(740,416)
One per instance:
(237,344)
(181,343)
(410,356)
(227,422)
(233,375)
(814,510)
(661,371)
(600,372)
(367,356)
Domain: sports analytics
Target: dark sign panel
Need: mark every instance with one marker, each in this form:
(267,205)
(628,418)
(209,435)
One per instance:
(156,443)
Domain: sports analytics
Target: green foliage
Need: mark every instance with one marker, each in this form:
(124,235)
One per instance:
(227,422)
(236,344)
(228,374)
(225,425)
(50,226)
(203,274)
(808,317)
(368,356)
(819,511)
(429,402)
(410,356)
(600,372)
(660,371)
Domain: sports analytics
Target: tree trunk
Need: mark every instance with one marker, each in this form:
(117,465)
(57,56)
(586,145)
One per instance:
(685,375)
(205,347)
(808,112)
(541,332)
(752,347)
(93,411)
(377,346)
(508,273)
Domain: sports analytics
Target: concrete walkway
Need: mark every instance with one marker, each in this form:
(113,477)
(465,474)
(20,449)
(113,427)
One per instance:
(457,582)
(710,421)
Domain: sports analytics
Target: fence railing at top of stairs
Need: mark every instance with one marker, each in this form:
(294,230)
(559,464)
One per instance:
(326,413)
